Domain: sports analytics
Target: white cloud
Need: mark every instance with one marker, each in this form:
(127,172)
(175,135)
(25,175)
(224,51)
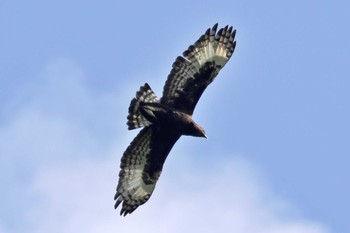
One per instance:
(59,121)
(78,197)
(73,171)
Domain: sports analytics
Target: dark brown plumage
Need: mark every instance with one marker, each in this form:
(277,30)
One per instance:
(167,119)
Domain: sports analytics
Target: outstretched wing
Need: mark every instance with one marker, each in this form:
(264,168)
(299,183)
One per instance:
(197,68)
(141,165)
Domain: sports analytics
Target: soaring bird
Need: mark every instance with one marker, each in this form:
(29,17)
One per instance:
(166,119)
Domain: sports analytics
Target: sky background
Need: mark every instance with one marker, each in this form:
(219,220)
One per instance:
(277,116)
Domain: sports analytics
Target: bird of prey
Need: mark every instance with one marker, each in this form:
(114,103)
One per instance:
(166,119)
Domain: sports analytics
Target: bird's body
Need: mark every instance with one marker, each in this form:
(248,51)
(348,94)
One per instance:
(177,122)
(164,121)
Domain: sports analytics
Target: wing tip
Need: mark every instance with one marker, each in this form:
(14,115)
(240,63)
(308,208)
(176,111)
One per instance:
(124,210)
(214,28)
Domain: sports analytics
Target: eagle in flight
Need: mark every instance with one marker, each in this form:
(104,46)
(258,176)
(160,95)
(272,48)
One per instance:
(166,119)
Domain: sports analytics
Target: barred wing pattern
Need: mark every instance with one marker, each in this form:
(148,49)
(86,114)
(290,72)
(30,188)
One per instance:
(143,160)
(197,68)
(141,166)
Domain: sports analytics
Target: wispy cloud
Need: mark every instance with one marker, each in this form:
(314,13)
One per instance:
(61,171)
(59,121)
(78,197)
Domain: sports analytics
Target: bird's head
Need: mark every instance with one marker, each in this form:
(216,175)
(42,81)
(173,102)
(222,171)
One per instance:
(197,130)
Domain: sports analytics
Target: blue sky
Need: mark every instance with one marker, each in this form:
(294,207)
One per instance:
(277,116)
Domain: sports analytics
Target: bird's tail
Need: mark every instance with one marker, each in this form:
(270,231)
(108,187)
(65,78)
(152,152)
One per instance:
(135,118)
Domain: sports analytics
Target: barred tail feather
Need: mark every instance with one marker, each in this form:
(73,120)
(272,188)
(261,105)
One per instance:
(135,117)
